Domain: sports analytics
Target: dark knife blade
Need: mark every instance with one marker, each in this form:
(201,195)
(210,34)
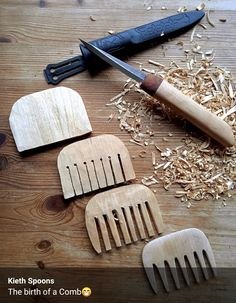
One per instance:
(131,40)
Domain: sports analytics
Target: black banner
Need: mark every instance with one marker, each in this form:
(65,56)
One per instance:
(49,285)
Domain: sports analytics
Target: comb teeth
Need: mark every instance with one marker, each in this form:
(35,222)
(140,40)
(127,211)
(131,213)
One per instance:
(183,249)
(92,164)
(123,214)
(91,175)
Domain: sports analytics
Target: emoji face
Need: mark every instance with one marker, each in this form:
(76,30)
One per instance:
(86,291)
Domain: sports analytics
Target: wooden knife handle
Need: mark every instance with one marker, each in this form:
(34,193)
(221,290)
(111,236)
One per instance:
(192,111)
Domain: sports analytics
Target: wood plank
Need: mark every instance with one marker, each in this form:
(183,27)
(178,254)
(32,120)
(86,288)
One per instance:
(35,223)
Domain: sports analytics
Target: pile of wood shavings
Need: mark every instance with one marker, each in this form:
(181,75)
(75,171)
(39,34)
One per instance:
(201,167)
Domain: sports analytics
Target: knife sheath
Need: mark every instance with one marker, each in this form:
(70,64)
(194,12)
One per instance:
(123,43)
(138,37)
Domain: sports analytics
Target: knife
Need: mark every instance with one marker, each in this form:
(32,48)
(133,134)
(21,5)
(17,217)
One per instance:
(173,98)
(131,40)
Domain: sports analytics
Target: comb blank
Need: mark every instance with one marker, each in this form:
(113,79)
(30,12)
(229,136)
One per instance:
(94,163)
(179,246)
(46,117)
(129,212)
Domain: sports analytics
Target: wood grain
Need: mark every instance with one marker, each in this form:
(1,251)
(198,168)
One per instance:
(47,117)
(92,164)
(36,224)
(185,246)
(182,104)
(129,212)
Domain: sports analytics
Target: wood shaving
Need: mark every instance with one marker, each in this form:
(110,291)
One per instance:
(158,148)
(142,153)
(200,7)
(166,153)
(209,20)
(156,63)
(153,159)
(135,142)
(181,44)
(182,9)
(148,181)
(192,35)
(229,112)
(111,116)
(222,19)
(202,25)
(199,166)
(209,53)
(92,18)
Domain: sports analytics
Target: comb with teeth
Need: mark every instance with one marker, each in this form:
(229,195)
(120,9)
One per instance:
(129,212)
(93,163)
(181,248)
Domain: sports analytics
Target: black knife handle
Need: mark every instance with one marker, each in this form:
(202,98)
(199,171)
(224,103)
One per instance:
(122,44)
(138,36)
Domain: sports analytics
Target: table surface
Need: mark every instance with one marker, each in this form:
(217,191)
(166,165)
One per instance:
(35,223)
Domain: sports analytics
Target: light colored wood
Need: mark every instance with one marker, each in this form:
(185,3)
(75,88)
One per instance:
(194,112)
(28,185)
(116,205)
(177,246)
(49,116)
(92,164)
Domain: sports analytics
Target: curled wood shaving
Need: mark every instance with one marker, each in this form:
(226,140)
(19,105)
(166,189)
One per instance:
(142,153)
(148,181)
(92,18)
(209,20)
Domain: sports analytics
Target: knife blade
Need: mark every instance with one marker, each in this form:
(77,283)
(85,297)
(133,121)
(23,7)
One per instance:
(131,40)
(173,98)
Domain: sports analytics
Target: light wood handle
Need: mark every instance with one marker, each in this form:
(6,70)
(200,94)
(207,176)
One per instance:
(192,111)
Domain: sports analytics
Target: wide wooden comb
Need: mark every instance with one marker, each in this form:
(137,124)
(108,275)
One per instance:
(94,163)
(49,116)
(126,212)
(180,250)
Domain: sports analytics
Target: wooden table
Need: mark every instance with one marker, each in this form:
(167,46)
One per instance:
(37,227)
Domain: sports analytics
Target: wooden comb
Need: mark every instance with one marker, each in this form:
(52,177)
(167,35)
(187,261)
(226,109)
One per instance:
(94,163)
(179,249)
(127,209)
(47,117)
